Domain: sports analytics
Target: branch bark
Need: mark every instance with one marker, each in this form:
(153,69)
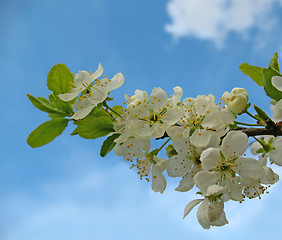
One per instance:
(260,131)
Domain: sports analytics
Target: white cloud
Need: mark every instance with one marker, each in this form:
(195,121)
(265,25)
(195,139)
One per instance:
(215,19)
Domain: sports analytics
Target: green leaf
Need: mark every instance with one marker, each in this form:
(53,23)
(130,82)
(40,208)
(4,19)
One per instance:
(274,62)
(74,132)
(270,90)
(44,105)
(108,144)
(119,109)
(47,132)
(253,72)
(53,116)
(109,99)
(61,105)
(170,151)
(59,79)
(262,115)
(96,124)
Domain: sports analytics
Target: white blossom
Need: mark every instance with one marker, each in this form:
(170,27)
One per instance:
(98,93)
(82,81)
(220,165)
(186,163)
(275,149)
(137,151)
(150,116)
(202,120)
(210,212)
(236,100)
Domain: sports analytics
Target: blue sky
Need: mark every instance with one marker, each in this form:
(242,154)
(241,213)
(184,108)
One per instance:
(65,190)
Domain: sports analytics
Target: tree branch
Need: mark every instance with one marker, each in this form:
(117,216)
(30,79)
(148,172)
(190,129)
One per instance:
(260,131)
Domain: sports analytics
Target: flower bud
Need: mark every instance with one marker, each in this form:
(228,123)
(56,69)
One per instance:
(237,100)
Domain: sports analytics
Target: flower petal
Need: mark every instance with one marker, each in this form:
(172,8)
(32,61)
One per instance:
(191,205)
(234,189)
(98,94)
(157,99)
(158,180)
(234,144)
(139,128)
(202,214)
(98,72)
(215,190)
(82,112)
(115,82)
(200,138)
(178,94)
(66,97)
(215,210)
(249,168)
(277,82)
(81,78)
(204,179)
(186,183)
(178,165)
(221,221)
(157,130)
(255,147)
(171,116)
(270,176)
(276,154)
(210,158)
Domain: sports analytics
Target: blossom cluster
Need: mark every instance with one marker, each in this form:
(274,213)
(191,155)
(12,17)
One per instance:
(203,145)
(206,152)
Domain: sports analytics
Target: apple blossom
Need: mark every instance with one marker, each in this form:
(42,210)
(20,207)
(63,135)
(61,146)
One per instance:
(205,144)
(236,100)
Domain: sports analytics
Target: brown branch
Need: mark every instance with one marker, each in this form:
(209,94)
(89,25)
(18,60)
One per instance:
(260,131)
(271,129)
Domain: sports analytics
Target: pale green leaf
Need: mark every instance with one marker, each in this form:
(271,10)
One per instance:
(108,144)
(170,151)
(118,109)
(47,132)
(59,79)
(44,105)
(270,90)
(61,105)
(253,72)
(97,124)
(274,62)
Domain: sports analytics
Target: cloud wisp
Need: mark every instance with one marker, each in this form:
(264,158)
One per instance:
(215,20)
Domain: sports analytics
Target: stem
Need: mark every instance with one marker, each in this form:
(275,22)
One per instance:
(252,115)
(247,124)
(161,147)
(259,141)
(107,106)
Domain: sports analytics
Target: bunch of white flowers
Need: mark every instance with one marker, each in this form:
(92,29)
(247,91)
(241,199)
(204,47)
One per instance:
(93,91)
(204,151)
(204,146)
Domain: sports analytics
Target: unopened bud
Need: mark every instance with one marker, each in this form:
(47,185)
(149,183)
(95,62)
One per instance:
(237,100)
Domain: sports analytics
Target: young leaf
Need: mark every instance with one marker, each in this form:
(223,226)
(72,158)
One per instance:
(270,90)
(98,123)
(108,144)
(59,79)
(262,115)
(253,72)
(47,132)
(118,109)
(274,62)
(44,105)
(59,104)
(170,151)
